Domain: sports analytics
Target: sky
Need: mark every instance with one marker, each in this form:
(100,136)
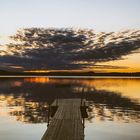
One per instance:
(99,15)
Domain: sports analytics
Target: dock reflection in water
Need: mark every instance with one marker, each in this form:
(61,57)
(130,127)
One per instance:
(112,101)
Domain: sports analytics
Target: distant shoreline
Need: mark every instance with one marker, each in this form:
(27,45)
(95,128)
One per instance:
(72,77)
(67,74)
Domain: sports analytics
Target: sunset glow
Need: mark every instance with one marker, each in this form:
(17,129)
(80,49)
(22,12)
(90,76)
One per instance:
(70,69)
(74,35)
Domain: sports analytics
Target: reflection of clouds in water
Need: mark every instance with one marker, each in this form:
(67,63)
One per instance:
(29,101)
(23,110)
(68,48)
(102,112)
(128,87)
(36,111)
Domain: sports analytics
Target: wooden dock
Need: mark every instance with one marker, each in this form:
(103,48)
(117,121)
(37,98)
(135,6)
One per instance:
(66,124)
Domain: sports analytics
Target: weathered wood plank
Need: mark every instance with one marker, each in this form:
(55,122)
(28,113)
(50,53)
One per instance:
(67,121)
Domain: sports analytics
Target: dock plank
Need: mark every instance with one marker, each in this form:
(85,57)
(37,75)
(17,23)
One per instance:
(66,124)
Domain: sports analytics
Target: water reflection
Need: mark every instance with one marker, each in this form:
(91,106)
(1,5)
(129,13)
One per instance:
(24,110)
(27,98)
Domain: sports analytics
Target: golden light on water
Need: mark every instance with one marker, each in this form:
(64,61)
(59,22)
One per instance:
(37,71)
(20,107)
(37,80)
(126,86)
(17,108)
(17,83)
(7,101)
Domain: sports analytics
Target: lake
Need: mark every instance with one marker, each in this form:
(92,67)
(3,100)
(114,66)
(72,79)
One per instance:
(113,114)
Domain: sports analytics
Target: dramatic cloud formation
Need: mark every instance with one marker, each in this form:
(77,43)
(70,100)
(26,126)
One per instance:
(39,48)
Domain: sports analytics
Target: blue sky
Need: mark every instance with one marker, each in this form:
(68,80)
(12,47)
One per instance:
(101,15)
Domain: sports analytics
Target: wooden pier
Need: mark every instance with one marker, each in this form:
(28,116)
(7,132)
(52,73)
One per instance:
(67,122)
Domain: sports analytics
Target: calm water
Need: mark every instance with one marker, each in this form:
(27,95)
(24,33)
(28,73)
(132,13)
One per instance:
(114,112)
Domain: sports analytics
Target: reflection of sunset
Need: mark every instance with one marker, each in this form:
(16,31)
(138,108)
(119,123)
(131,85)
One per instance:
(21,109)
(9,104)
(103,113)
(37,80)
(29,103)
(126,86)
(17,83)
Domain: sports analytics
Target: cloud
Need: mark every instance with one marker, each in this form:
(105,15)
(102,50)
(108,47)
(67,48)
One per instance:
(39,48)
